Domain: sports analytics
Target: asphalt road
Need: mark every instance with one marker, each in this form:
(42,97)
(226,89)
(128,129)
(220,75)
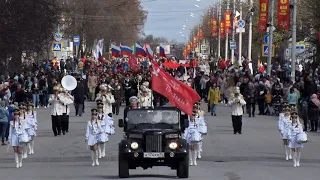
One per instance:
(256,154)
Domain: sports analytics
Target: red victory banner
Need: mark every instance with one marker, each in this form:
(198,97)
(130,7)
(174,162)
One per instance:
(178,93)
(222,32)
(194,43)
(283,14)
(263,16)
(214,27)
(227,16)
(200,33)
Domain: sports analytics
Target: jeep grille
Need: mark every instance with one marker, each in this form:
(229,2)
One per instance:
(154,143)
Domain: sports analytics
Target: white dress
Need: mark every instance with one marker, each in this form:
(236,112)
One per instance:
(284,125)
(32,123)
(203,129)
(92,132)
(16,132)
(192,134)
(293,132)
(102,136)
(110,129)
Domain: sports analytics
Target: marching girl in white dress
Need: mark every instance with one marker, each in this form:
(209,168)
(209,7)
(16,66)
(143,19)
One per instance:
(294,131)
(103,136)
(202,127)
(32,122)
(193,137)
(17,137)
(92,132)
(24,121)
(284,124)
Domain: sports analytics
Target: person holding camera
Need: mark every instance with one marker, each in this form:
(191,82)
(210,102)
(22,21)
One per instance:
(236,102)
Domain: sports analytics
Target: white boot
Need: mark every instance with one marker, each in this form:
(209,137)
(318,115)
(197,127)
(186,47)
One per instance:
(190,158)
(93,157)
(99,151)
(103,149)
(20,159)
(25,151)
(290,152)
(16,158)
(200,150)
(96,158)
(194,157)
(29,148)
(298,158)
(287,152)
(32,147)
(294,160)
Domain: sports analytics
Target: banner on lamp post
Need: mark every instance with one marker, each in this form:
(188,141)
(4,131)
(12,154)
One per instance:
(263,16)
(222,29)
(227,16)
(214,27)
(283,14)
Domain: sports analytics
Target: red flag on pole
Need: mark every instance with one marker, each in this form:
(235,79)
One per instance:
(133,63)
(178,93)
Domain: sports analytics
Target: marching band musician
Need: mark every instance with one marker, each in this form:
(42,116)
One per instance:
(56,111)
(193,137)
(24,123)
(67,99)
(236,102)
(91,137)
(107,98)
(16,133)
(103,136)
(32,124)
(295,129)
(145,95)
(284,123)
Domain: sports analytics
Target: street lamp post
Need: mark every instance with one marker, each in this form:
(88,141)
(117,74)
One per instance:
(227,35)
(250,32)
(233,29)
(270,50)
(294,41)
(219,37)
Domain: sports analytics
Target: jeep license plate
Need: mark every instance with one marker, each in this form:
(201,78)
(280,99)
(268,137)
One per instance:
(153,155)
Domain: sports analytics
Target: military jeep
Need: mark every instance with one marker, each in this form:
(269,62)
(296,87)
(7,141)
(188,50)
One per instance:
(152,137)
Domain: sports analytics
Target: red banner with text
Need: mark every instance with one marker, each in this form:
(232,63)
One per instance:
(222,29)
(283,14)
(227,25)
(263,16)
(214,27)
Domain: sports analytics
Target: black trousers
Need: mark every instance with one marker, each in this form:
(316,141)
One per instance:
(314,125)
(251,108)
(65,123)
(79,108)
(56,124)
(261,103)
(237,124)
(116,106)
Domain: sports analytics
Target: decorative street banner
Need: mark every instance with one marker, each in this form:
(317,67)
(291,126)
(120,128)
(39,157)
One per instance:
(194,43)
(222,29)
(263,16)
(200,34)
(227,16)
(214,27)
(283,14)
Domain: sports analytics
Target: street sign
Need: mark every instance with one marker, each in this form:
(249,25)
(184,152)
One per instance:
(233,45)
(266,39)
(58,37)
(76,40)
(241,30)
(241,23)
(57,47)
(265,50)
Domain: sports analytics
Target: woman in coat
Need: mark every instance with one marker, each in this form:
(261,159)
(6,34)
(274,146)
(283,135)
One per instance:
(313,112)
(213,98)
(78,94)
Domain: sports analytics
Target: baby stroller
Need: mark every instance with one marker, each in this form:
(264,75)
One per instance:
(276,105)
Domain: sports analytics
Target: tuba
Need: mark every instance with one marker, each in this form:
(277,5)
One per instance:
(69,82)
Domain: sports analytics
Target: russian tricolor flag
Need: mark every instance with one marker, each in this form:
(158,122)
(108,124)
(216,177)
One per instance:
(149,52)
(115,51)
(162,52)
(140,51)
(125,50)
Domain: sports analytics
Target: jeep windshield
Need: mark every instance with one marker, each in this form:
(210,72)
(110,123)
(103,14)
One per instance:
(146,117)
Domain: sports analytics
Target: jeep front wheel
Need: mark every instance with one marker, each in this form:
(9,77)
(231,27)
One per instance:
(183,168)
(123,167)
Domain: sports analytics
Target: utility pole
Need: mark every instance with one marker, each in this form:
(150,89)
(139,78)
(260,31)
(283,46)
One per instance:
(270,49)
(233,29)
(240,38)
(250,32)
(219,37)
(294,41)
(227,35)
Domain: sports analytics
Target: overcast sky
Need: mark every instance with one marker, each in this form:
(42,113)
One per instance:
(167,17)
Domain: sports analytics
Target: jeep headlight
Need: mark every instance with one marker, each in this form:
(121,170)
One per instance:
(173,145)
(134,145)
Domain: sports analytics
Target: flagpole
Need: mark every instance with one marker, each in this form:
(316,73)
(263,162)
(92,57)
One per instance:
(240,39)
(227,35)
(250,32)
(270,49)
(233,29)
(294,41)
(219,37)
